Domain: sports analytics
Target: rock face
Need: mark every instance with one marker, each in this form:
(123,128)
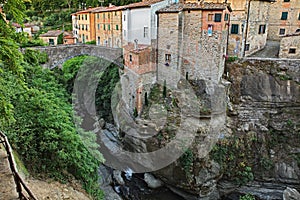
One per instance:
(265,109)
(291,194)
(151,181)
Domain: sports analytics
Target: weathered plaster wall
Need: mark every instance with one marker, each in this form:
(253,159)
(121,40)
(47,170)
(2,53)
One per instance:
(287,44)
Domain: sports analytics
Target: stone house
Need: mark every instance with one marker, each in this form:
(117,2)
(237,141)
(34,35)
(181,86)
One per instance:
(290,46)
(249,24)
(139,32)
(192,41)
(51,37)
(108,26)
(284,19)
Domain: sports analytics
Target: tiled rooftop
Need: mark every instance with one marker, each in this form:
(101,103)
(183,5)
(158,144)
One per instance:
(194,6)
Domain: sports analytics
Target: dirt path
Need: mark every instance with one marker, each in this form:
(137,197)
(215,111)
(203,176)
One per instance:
(7,184)
(41,189)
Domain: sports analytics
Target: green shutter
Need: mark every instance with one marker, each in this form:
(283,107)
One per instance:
(284,15)
(218,17)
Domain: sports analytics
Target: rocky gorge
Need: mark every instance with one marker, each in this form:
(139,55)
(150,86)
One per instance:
(256,152)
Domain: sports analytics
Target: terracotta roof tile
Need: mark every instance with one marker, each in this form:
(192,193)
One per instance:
(193,6)
(53,33)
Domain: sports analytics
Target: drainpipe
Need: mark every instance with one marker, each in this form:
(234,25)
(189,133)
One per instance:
(246,31)
(157,38)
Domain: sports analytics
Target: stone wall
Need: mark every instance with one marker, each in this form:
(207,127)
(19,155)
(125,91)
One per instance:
(57,55)
(193,52)
(290,47)
(265,106)
(290,25)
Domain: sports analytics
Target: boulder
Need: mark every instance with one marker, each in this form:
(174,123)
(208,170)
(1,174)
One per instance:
(151,181)
(291,194)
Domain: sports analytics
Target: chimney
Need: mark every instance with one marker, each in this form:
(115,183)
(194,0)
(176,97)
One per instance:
(136,47)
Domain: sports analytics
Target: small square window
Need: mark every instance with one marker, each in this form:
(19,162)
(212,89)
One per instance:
(292,50)
(168,58)
(247,47)
(286,0)
(234,29)
(218,17)
(262,29)
(284,15)
(281,31)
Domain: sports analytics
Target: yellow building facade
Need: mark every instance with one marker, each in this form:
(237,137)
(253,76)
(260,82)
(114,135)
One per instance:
(85,22)
(108,26)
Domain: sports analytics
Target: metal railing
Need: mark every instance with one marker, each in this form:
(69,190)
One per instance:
(20,184)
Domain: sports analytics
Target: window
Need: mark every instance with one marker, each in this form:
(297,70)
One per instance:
(218,17)
(130,58)
(145,32)
(210,17)
(124,33)
(103,26)
(284,15)
(262,29)
(247,47)
(286,0)
(51,41)
(281,31)
(168,58)
(115,13)
(109,27)
(234,29)
(124,17)
(87,27)
(98,26)
(210,30)
(98,16)
(87,37)
(78,17)
(85,17)
(292,50)
(108,15)
(226,17)
(103,15)
(117,27)
(98,40)
(82,27)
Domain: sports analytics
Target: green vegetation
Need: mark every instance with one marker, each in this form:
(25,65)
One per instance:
(36,115)
(234,156)
(91,42)
(186,161)
(247,197)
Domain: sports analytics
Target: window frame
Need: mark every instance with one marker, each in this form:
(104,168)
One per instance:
(262,29)
(219,18)
(146,31)
(292,50)
(284,15)
(234,30)
(280,31)
(168,58)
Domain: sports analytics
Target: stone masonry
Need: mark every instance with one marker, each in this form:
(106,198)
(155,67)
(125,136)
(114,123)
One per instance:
(57,55)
